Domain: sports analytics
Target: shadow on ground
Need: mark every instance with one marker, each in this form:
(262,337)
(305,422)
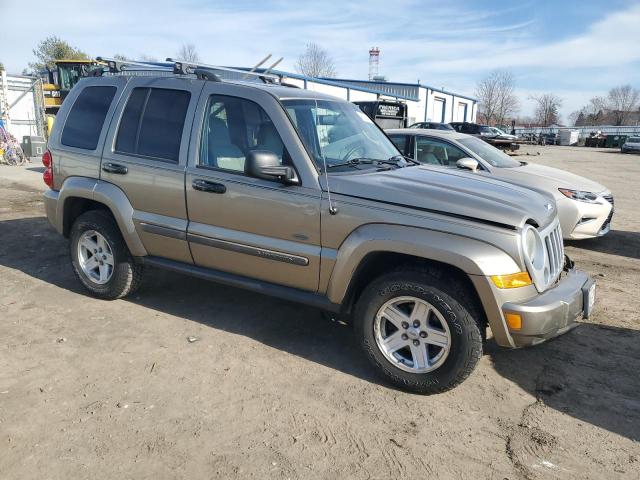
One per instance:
(616,242)
(590,373)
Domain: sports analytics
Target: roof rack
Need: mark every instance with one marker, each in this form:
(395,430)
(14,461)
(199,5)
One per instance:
(117,66)
(186,67)
(202,71)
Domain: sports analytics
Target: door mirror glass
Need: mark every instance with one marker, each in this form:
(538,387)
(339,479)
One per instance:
(266,165)
(468,164)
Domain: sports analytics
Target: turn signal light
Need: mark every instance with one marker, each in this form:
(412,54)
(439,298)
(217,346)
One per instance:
(514,321)
(513,280)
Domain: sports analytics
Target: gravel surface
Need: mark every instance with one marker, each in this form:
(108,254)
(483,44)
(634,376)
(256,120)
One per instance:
(189,379)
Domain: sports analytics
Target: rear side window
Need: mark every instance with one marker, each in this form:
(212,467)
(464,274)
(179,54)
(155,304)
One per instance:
(152,123)
(86,118)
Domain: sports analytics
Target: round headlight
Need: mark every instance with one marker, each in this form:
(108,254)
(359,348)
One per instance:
(533,248)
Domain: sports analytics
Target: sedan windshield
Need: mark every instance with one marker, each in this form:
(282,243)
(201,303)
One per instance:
(339,132)
(633,140)
(489,153)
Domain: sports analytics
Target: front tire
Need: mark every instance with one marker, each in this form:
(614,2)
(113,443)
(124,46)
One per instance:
(416,334)
(100,257)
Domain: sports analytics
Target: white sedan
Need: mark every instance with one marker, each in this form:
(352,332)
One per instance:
(585,208)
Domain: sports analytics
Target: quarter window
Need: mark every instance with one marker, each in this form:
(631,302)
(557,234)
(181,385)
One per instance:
(436,152)
(86,118)
(233,127)
(152,123)
(400,141)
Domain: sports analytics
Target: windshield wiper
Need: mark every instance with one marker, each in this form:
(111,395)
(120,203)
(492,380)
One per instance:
(400,162)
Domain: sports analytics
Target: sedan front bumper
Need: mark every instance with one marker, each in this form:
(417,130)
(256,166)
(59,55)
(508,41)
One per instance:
(581,220)
(553,312)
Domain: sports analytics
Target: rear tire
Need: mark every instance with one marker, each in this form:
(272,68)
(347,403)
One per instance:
(426,318)
(100,257)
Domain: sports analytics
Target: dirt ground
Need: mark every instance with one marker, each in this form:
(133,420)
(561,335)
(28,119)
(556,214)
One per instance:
(93,389)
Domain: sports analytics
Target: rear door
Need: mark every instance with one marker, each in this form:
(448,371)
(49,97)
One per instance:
(146,156)
(243,225)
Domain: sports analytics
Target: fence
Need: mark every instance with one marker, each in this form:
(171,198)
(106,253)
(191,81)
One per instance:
(584,131)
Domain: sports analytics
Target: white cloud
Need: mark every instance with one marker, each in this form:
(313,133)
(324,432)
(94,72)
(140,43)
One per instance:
(437,42)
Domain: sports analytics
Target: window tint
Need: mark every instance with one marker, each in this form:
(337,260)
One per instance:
(232,128)
(86,118)
(152,123)
(437,152)
(400,141)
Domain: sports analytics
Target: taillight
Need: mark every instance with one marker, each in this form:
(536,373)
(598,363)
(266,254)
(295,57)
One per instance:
(47,161)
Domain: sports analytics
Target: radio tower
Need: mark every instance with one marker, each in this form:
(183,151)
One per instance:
(374,57)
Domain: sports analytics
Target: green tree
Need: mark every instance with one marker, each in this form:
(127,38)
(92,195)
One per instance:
(54,48)
(1,66)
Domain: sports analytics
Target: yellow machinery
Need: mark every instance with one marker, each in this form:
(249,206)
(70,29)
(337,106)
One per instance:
(58,82)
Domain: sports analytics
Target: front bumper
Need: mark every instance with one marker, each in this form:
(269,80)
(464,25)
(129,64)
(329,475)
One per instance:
(553,312)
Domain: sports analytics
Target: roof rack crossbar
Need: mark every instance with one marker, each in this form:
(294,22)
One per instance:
(184,66)
(117,66)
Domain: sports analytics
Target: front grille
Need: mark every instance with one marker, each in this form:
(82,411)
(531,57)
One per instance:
(555,252)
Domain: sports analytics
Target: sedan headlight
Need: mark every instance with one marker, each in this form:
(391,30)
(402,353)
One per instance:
(579,195)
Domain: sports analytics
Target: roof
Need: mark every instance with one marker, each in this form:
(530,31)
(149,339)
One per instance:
(409,89)
(452,134)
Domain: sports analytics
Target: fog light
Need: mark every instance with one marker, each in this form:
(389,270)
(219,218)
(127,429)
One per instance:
(514,321)
(514,280)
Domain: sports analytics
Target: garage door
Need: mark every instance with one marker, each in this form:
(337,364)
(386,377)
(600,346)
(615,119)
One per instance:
(437,113)
(462,112)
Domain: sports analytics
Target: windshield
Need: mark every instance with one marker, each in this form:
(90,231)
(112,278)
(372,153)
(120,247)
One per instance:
(69,75)
(489,153)
(484,129)
(633,140)
(337,132)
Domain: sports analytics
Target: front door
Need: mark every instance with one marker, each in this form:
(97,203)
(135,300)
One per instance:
(244,225)
(147,160)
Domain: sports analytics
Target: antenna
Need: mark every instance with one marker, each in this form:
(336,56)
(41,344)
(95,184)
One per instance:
(332,208)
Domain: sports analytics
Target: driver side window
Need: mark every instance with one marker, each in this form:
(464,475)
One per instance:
(436,152)
(232,128)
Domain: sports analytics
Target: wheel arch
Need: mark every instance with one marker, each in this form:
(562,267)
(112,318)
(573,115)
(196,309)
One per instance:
(80,194)
(372,249)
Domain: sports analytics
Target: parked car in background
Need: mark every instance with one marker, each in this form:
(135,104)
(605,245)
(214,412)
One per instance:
(548,139)
(502,134)
(473,129)
(432,126)
(631,145)
(585,207)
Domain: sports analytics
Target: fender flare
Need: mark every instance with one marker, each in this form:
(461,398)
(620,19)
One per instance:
(473,257)
(110,196)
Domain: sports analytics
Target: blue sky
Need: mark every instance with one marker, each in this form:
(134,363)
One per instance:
(574,49)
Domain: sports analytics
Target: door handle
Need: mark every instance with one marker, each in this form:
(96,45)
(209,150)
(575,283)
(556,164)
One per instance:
(207,186)
(114,168)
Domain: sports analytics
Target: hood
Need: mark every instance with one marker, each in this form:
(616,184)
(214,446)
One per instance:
(547,178)
(450,192)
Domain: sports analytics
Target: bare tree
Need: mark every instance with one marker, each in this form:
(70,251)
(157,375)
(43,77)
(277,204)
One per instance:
(594,113)
(497,98)
(547,108)
(188,52)
(621,102)
(315,62)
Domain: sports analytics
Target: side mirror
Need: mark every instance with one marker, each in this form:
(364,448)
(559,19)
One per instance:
(266,165)
(468,163)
